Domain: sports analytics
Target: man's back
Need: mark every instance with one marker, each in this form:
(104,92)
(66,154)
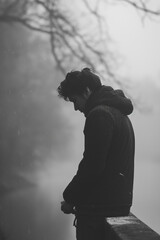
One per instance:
(111,189)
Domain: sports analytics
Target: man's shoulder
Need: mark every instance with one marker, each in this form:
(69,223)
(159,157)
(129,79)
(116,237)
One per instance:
(100,109)
(100,116)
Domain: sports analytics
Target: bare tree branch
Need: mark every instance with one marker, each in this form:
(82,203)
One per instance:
(68,41)
(142,6)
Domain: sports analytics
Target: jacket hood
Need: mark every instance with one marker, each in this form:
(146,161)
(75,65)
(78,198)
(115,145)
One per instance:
(106,95)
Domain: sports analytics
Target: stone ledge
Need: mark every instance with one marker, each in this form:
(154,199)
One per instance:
(129,228)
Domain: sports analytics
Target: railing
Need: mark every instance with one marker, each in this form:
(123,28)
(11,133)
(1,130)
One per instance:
(129,228)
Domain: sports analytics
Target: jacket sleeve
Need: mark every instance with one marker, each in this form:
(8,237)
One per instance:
(98,135)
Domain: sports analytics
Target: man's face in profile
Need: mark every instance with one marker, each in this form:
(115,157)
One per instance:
(79,102)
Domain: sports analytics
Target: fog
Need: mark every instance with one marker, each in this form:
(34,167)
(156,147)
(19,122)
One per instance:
(41,143)
(35,143)
(147,165)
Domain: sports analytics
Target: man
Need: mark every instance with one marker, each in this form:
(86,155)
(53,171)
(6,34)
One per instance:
(103,184)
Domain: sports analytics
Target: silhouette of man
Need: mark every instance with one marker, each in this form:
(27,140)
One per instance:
(103,184)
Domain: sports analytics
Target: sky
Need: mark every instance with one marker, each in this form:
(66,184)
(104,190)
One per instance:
(137,40)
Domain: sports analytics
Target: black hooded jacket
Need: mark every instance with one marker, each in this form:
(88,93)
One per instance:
(103,184)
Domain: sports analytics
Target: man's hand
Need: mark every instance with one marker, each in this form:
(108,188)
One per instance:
(67,208)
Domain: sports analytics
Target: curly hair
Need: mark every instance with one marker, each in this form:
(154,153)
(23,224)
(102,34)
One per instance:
(76,83)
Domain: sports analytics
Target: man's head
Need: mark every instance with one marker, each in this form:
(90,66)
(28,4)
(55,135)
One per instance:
(77,87)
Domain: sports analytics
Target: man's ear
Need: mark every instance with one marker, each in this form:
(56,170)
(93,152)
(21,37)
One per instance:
(87,92)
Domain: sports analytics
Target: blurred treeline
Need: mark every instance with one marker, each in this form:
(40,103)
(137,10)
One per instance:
(33,130)
(31,117)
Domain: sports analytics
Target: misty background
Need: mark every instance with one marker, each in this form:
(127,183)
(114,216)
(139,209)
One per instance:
(41,137)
